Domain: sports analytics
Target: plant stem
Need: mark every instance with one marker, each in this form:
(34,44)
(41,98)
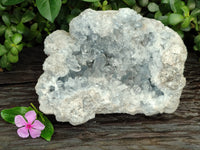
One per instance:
(34,108)
(38,112)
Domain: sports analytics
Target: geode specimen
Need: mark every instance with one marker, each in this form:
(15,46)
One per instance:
(111,62)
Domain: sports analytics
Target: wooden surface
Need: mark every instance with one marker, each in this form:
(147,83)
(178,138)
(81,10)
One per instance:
(180,130)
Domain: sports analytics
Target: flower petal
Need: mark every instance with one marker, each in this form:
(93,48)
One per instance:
(34,133)
(20,121)
(30,116)
(38,125)
(23,132)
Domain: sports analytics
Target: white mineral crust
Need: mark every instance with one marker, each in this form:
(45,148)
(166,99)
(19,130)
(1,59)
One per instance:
(111,62)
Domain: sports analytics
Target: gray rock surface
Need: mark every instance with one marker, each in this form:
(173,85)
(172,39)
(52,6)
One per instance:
(111,62)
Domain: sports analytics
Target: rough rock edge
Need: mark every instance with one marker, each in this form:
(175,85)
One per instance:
(54,50)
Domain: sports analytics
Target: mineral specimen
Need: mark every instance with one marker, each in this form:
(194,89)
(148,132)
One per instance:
(111,62)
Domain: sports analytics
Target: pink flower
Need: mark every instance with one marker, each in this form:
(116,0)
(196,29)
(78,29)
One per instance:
(32,126)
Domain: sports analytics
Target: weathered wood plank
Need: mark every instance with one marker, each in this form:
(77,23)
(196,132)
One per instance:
(180,130)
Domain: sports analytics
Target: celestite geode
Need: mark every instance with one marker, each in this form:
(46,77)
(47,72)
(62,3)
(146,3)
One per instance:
(111,62)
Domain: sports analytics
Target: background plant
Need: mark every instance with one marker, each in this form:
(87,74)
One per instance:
(24,23)
(20,25)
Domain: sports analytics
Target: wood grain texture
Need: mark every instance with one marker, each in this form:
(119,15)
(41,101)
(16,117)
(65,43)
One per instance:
(180,130)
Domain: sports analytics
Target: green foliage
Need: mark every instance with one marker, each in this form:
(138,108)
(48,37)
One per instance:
(49,129)
(49,8)
(11,2)
(191,4)
(175,19)
(35,19)
(130,2)
(91,1)
(197,42)
(21,24)
(153,7)
(9,114)
(27,16)
(143,3)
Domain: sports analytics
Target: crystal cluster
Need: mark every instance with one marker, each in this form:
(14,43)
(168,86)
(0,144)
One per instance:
(111,62)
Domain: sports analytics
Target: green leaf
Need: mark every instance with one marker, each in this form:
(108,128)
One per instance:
(105,2)
(91,1)
(153,7)
(28,16)
(22,29)
(49,9)
(19,47)
(11,2)
(12,58)
(195,48)
(143,3)
(2,29)
(175,19)
(8,44)
(14,51)
(6,19)
(34,27)
(164,1)
(176,5)
(9,67)
(157,14)
(198,46)
(8,33)
(4,61)
(3,50)
(195,12)
(64,1)
(13,28)
(186,22)
(163,19)
(173,8)
(137,8)
(197,4)
(9,114)
(197,39)
(194,19)
(186,11)
(97,4)
(129,2)
(2,7)
(107,7)
(39,37)
(186,29)
(48,130)
(197,42)
(17,15)
(191,4)
(17,38)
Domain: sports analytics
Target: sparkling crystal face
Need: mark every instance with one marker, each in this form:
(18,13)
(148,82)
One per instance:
(105,58)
